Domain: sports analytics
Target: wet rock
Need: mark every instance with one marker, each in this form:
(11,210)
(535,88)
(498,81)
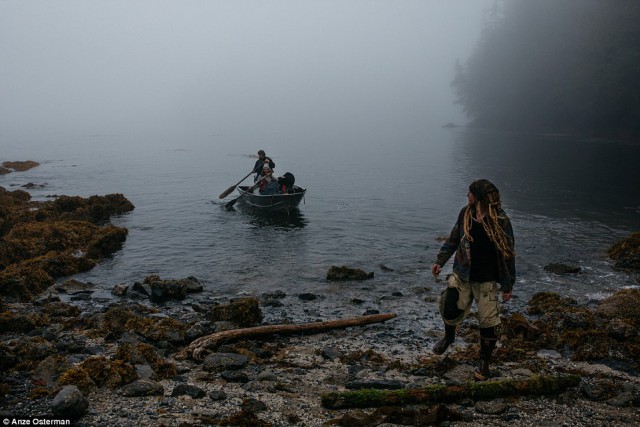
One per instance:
(244,312)
(253,405)
(19,166)
(32,186)
(142,288)
(273,295)
(120,290)
(69,403)
(559,268)
(235,377)
(217,395)
(346,273)
(307,297)
(142,388)
(188,390)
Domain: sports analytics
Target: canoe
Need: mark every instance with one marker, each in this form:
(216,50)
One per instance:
(272,202)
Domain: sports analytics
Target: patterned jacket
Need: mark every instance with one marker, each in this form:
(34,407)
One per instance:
(459,244)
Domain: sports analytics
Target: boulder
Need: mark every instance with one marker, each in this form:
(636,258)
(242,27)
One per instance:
(346,273)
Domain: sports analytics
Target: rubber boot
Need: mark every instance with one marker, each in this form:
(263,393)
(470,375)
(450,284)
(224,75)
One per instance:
(444,342)
(487,345)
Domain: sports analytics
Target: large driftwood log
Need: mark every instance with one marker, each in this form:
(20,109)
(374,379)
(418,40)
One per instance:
(198,348)
(537,385)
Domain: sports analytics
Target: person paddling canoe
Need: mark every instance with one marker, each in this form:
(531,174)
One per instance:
(262,160)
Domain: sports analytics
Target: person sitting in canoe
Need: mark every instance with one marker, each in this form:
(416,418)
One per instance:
(285,182)
(268,185)
(262,160)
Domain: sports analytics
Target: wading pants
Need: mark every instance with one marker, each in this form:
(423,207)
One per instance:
(457,297)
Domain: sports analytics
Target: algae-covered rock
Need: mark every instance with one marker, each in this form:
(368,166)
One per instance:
(18,166)
(42,241)
(244,312)
(118,320)
(626,253)
(608,332)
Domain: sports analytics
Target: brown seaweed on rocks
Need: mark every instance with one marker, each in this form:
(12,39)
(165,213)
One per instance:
(17,166)
(42,241)
(626,253)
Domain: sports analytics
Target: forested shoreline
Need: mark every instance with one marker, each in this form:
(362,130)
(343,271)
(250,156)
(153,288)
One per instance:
(566,66)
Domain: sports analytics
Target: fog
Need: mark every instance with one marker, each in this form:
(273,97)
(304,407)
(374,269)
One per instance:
(242,69)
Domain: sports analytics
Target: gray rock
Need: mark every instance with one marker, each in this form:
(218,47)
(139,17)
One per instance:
(69,403)
(253,405)
(120,290)
(559,268)
(624,399)
(145,372)
(224,361)
(217,395)
(493,407)
(142,388)
(549,354)
(266,376)
(235,377)
(188,390)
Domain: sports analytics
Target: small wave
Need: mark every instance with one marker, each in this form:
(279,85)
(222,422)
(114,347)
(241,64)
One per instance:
(598,296)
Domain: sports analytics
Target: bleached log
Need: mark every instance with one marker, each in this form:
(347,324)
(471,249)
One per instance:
(197,349)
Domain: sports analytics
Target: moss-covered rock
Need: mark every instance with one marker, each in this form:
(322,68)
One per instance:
(244,312)
(117,320)
(610,331)
(346,273)
(626,253)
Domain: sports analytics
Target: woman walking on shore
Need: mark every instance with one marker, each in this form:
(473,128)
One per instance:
(483,243)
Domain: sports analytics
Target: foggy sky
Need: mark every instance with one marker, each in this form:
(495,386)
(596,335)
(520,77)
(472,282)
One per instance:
(225,67)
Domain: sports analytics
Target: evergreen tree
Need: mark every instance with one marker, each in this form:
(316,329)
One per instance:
(555,65)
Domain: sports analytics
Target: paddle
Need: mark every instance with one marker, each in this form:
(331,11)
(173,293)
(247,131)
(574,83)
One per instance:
(233,187)
(249,190)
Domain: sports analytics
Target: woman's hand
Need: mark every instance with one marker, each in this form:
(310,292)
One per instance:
(435,269)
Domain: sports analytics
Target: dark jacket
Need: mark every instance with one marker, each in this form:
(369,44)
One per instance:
(457,243)
(257,168)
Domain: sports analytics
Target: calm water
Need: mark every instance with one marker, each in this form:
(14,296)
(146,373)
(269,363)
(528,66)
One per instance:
(569,200)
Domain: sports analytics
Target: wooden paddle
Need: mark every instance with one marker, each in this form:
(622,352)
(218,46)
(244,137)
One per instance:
(249,190)
(229,190)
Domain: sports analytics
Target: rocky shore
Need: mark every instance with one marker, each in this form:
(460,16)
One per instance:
(129,360)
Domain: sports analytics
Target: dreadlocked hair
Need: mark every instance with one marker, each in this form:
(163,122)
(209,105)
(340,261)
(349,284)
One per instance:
(490,204)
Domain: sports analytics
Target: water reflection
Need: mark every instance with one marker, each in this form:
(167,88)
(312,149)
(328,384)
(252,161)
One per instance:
(555,175)
(293,219)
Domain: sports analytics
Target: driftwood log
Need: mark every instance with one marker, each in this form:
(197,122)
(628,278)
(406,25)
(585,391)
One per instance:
(537,385)
(197,349)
